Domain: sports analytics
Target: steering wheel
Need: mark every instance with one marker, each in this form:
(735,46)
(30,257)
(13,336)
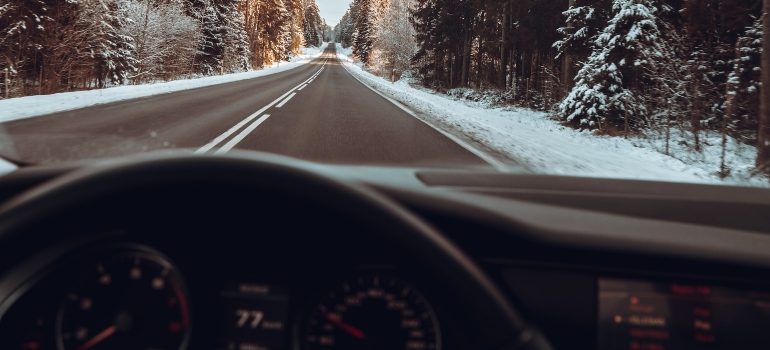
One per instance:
(496,325)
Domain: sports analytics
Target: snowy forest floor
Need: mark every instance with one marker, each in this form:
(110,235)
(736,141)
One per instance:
(532,139)
(32,106)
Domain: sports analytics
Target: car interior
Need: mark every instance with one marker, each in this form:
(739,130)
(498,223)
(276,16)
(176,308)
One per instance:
(255,251)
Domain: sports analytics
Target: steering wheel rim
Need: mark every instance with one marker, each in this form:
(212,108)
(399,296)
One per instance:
(499,325)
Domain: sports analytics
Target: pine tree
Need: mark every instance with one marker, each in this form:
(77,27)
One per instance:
(627,50)
(395,37)
(275,32)
(744,84)
(345,30)
(296,32)
(212,42)
(312,25)
(585,20)
(363,37)
(113,51)
(22,23)
(236,52)
(165,37)
(763,144)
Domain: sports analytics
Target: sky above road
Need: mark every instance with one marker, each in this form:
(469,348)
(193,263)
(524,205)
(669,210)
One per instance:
(333,10)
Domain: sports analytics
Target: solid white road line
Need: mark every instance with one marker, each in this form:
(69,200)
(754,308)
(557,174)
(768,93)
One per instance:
(498,165)
(301,87)
(286,100)
(242,135)
(238,126)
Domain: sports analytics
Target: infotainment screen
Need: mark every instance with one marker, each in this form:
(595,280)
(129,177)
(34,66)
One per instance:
(646,315)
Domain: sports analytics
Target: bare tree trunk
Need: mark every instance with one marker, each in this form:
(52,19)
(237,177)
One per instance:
(696,115)
(531,81)
(725,121)
(625,117)
(668,128)
(479,60)
(729,112)
(466,56)
(40,83)
(512,70)
(533,66)
(436,66)
(763,146)
(7,93)
(567,60)
(503,46)
(452,61)
(526,98)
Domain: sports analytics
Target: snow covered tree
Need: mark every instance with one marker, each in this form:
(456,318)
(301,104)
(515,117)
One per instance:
(744,84)
(236,53)
(68,48)
(275,32)
(395,37)
(327,32)
(165,38)
(312,25)
(223,42)
(763,144)
(211,42)
(296,28)
(367,18)
(606,95)
(112,50)
(363,37)
(345,30)
(22,23)
(585,20)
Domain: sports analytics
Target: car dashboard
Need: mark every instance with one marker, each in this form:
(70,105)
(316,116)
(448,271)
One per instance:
(592,263)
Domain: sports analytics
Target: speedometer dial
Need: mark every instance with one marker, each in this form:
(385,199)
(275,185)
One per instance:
(133,300)
(373,312)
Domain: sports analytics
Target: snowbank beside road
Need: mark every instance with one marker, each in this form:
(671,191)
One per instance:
(523,137)
(31,106)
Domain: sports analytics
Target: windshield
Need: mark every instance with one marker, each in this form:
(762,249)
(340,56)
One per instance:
(643,89)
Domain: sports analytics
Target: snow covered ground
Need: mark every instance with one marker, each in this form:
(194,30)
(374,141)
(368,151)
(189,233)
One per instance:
(31,106)
(531,139)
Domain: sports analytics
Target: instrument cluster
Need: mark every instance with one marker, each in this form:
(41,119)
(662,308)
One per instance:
(132,296)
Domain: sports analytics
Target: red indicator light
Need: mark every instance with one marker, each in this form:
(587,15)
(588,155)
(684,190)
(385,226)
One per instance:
(704,338)
(174,327)
(682,289)
(703,290)
(701,312)
(643,333)
(646,346)
(33,345)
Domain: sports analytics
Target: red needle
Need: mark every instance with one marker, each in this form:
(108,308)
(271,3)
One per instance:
(98,338)
(345,327)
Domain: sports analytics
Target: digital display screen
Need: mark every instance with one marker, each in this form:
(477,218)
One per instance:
(644,315)
(255,316)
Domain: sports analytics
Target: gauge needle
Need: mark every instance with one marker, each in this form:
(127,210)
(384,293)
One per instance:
(98,338)
(345,327)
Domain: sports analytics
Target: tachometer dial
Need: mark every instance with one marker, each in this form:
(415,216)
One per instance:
(373,312)
(133,300)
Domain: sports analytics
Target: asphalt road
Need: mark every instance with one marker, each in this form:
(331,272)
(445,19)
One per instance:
(316,112)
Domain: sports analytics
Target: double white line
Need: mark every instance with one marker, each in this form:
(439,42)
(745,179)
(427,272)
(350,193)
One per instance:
(238,138)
